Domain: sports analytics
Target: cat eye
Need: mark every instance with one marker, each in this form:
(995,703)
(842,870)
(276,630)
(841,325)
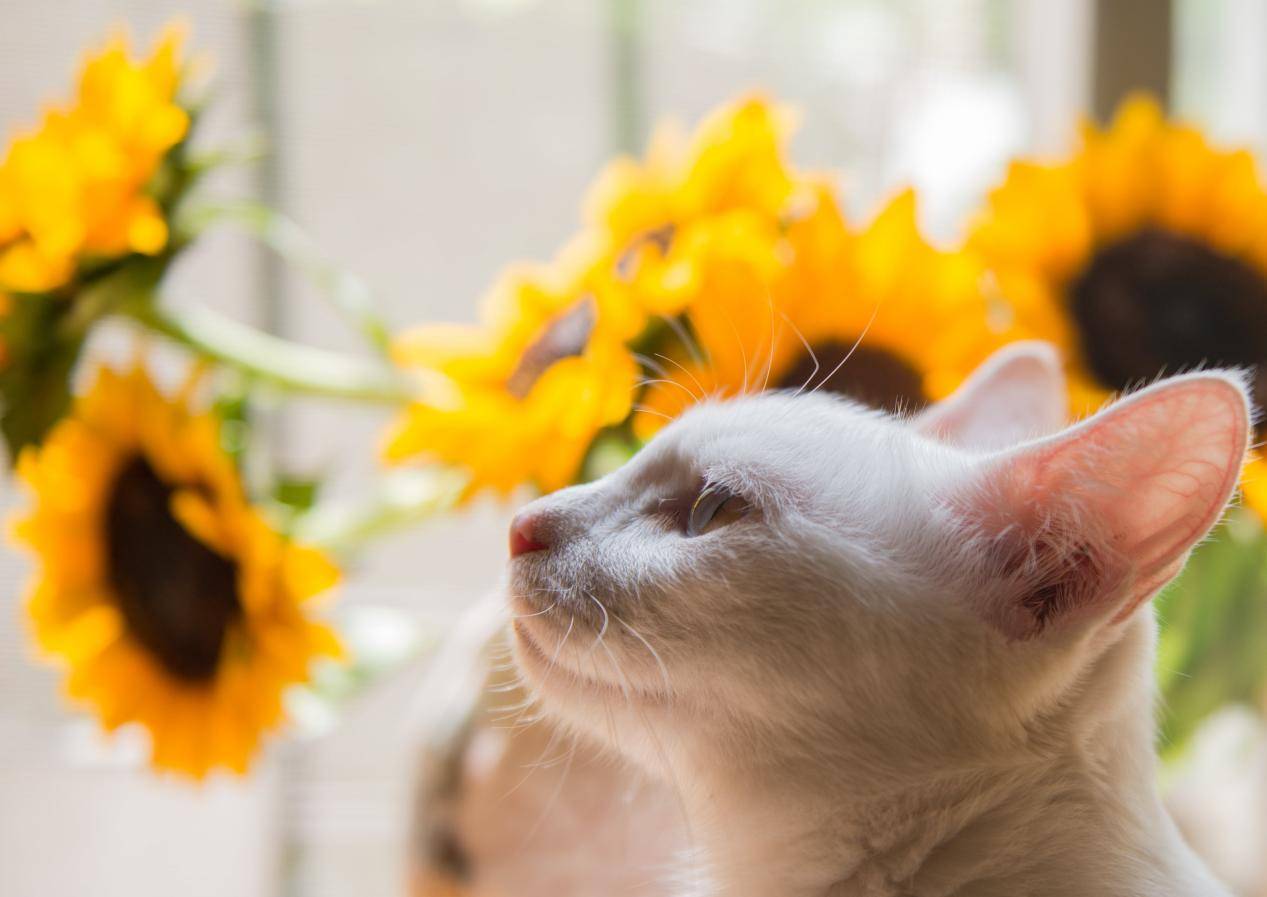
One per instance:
(715,507)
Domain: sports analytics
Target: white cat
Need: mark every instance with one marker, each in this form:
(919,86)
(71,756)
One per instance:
(504,797)
(874,659)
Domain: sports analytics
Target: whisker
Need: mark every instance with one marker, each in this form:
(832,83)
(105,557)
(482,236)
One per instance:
(506,688)
(554,660)
(511,709)
(533,767)
(648,362)
(852,349)
(552,606)
(554,795)
(608,718)
(520,725)
(646,409)
(669,768)
(684,370)
(813,356)
(664,671)
(691,343)
(602,630)
(694,398)
(543,763)
(549,667)
(743,351)
(769,364)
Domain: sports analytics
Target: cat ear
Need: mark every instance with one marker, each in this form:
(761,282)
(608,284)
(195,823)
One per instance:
(1017,393)
(1088,524)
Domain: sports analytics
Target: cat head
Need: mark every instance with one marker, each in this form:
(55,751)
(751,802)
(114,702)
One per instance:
(779,577)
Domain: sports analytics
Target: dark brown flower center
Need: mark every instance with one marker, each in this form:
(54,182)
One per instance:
(1158,302)
(564,337)
(875,377)
(178,597)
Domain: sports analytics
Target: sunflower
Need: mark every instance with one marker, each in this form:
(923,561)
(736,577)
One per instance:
(529,388)
(878,315)
(74,188)
(643,213)
(549,368)
(166,594)
(1143,253)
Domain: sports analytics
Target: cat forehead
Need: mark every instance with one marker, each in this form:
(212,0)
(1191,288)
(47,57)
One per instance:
(780,432)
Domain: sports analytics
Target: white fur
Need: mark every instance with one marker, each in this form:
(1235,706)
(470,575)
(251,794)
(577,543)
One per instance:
(843,685)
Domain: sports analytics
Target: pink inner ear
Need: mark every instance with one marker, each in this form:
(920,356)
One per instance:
(1018,393)
(1131,489)
(1170,461)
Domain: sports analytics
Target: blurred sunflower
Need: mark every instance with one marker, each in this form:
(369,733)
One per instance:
(548,370)
(643,213)
(528,390)
(878,315)
(1144,253)
(75,189)
(167,595)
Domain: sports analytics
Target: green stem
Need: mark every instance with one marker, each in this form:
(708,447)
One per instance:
(349,295)
(626,33)
(281,363)
(402,499)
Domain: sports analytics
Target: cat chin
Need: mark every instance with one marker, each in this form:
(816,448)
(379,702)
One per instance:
(554,680)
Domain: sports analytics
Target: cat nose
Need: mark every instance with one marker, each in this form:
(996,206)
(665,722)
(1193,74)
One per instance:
(525,534)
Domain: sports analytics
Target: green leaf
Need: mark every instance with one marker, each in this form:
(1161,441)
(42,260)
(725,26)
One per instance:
(40,353)
(1213,648)
(296,493)
(43,334)
(233,408)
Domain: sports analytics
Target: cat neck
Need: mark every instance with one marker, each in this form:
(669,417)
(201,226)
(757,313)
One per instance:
(1083,817)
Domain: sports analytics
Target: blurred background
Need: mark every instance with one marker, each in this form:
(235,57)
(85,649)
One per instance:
(424,144)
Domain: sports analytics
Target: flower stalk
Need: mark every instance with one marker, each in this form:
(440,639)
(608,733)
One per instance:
(403,498)
(350,297)
(283,364)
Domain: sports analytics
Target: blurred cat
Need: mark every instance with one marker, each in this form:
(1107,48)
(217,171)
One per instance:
(511,806)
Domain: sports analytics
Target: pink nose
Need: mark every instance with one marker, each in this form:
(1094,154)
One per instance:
(525,535)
